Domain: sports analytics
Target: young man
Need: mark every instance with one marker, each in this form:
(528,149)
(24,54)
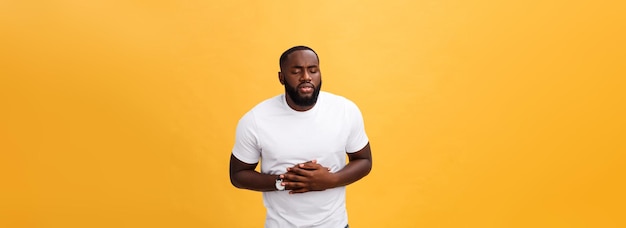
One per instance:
(301,138)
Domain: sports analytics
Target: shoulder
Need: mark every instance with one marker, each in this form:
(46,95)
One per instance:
(337,100)
(268,104)
(266,107)
(249,121)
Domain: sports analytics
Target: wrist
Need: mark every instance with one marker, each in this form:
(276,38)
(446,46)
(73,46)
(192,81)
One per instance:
(278,183)
(335,180)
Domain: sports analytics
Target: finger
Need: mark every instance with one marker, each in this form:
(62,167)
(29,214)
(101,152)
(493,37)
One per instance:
(293,177)
(307,162)
(309,166)
(300,171)
(293,185)
(290,169)
(298,191)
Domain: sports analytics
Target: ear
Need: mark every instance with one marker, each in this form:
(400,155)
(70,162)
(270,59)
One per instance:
(281,78)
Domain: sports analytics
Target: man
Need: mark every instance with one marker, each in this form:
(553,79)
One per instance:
(301,138)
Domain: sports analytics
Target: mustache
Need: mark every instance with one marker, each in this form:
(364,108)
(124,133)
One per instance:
(306,84)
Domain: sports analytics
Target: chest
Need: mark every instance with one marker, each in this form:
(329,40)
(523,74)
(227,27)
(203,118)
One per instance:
(288,140)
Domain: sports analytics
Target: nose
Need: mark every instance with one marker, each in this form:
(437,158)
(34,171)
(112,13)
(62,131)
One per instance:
(306,77)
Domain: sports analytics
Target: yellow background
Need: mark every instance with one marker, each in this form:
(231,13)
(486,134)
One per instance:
(480,113)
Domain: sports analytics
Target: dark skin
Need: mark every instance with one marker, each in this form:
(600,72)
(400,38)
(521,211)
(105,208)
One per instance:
(302,73)
(302,70)
(304,177)
(311,176)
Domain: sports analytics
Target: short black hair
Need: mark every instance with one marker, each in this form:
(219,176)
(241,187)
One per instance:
(283,57)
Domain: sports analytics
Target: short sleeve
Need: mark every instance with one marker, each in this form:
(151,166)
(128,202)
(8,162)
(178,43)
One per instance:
(246,146)
(357,138)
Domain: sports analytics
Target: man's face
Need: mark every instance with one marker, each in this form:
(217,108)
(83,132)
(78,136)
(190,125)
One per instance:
(302,77)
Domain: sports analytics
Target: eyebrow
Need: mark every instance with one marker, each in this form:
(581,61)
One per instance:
(302,67)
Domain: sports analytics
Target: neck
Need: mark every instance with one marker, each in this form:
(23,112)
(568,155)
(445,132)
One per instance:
(296,107)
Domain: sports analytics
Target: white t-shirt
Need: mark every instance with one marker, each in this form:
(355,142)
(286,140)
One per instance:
(281,137)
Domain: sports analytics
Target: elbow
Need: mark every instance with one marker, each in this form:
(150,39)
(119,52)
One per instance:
(369,166)
(234,181)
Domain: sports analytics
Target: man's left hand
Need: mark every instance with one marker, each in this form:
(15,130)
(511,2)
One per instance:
(308,176)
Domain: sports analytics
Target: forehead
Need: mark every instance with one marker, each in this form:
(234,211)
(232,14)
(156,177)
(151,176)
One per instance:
(302,58)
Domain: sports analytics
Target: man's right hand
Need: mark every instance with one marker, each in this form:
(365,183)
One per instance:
(308,176)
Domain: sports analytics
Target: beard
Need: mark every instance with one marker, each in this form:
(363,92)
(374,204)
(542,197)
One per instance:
(301,100)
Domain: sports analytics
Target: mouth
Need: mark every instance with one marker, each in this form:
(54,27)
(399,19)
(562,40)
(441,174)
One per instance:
(306,88)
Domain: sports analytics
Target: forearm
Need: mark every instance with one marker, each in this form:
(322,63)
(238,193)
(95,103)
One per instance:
(253,180)
(243,175)
(311,176)
(353,171)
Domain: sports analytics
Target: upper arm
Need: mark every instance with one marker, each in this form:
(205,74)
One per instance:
(357,138)
(364,153)
(237,165)
(246,148)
